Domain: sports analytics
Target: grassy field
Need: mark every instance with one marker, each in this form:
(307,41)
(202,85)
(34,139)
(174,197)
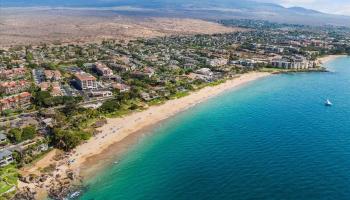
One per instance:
(8,179)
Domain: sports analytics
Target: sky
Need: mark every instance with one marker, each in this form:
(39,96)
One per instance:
(329,6)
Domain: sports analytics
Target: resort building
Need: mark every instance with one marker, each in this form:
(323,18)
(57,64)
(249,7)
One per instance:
(53,75)
(119,67)
(3,138)
(38,75)
(217,62)
(296,62)
(101,94)
(5,158)
(15,102)
(204,74)
(85,81)
(12,73)
(53,87)
(13,87)
(204,71)
(102,69)
(121,87)
(274,49)
(250,63)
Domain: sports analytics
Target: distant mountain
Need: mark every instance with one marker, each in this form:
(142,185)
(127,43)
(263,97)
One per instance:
(174,4)
(302,10)
(205,9)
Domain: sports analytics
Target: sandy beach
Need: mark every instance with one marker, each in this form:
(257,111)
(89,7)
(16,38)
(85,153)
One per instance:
(116,134)
(119,133)
(118,129)
(325,59)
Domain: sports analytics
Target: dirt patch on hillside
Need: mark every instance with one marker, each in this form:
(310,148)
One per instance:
(23,26)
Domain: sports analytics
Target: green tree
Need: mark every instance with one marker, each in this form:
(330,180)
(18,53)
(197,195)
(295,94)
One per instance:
(80,63)
(15,135)
(29,57)
(69,139)
(28,132)
(69,108)
(110,106)
(41,97)
(65,140)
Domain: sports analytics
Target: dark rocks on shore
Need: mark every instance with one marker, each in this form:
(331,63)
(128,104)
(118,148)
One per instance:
(70,175)
(61,188)
(25,194)
(43,178)
(321,69)
(62,191)
(24,179)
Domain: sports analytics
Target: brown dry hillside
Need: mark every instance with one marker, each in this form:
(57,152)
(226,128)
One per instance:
(23,26)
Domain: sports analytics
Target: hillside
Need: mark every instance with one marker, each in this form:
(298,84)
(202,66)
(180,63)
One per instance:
(204,9)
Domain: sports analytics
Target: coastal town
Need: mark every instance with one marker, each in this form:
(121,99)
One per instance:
(54,97)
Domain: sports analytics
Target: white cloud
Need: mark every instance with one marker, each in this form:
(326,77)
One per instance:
(329,6)
(344,10)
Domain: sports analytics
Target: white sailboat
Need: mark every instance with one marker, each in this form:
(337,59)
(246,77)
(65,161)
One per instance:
(328,103)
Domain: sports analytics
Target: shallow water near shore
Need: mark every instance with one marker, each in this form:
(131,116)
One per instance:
(270,139)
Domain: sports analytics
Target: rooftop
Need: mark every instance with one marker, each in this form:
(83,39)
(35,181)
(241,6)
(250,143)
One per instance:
(5,153)
(2,136)
(52,73)
(15,97)
(13,84)
(84,76)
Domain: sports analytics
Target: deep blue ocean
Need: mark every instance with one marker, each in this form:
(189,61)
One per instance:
(271,139)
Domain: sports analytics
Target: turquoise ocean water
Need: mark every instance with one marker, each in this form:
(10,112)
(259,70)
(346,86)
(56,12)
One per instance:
(271,139)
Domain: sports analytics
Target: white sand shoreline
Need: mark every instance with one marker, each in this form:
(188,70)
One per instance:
(324,60)
(117,129)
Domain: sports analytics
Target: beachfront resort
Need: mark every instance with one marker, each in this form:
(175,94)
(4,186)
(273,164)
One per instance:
(55,97)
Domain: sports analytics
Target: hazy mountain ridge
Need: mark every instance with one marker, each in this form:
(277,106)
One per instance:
(204,9)
(174,4)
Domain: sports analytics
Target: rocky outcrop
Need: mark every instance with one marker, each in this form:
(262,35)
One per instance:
(62,187)
(58,186)
(25,194)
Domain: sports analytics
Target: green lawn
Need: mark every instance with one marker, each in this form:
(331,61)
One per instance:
(4,187)
(215,83)
(179,95)
(157,101)
(8,178)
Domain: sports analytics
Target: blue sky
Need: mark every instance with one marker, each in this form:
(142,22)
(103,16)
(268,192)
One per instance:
(329,6)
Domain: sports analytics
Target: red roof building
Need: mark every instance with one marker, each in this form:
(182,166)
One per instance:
(15,102)
(53,87)
(14,87)
(102,69)
(12,73)
(52,75)
(85,81)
